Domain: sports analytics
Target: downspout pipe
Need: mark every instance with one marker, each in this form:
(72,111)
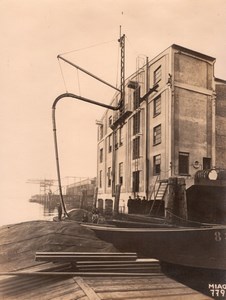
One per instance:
(147,134)
(66,95)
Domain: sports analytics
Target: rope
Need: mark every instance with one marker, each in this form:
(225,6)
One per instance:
(79,88)
(185,220)
(61,70)
(91,46)
(134,50)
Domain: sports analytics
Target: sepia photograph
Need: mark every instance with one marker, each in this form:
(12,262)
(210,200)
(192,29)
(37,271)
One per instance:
(113,149)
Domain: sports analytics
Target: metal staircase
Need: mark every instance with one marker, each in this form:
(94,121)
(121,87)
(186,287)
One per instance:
(158,195)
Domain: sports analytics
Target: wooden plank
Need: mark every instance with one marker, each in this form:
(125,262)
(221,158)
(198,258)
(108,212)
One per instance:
(70,296)
(136,287)
(16,286)
(86,289)
(113,263)
(34,287)
(61,293)
(119,270)
(100,281)
(128,285)
(149,293)
(118,267)
(62,258)
(134,254)
(170,297)
(74,274)
(60,290)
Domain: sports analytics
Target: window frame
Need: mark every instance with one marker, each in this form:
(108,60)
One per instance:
(157,75)
(157,135)
(156,107)
(206,161)
(100,178)
(136,98)
(157,167)
(120,136)
(183,169)
(109,176)
(110,121)
(110,143)
(136,147)
(136,123)
(101,131)
(101,158)
(116,139)
(120,173)
(136,181)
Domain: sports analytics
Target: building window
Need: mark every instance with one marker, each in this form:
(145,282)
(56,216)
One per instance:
(101,155)
(157,75)
(116,139)
(136,123)
(206,163)
(120,173)
(183,163)
(157,135)
(109,176)
(110,121)
(136,181)
(110,143)
(100,182)
(157,164)
(136,98)
(120,136)
(101,131)
(136,147)
(157,106)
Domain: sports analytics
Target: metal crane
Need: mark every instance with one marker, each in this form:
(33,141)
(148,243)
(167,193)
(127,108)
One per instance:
(44,184)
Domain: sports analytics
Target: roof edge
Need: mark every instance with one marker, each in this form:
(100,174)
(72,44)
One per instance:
(219,80)
(195,53)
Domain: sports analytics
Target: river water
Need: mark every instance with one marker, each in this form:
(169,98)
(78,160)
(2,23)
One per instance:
(16,210)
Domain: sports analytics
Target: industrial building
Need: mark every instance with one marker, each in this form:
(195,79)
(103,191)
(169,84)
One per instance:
(173,124)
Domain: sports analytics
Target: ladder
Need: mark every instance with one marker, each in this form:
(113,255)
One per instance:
(158,195)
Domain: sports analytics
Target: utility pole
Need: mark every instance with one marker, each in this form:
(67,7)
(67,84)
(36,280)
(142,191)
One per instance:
(121,40)
(122,45)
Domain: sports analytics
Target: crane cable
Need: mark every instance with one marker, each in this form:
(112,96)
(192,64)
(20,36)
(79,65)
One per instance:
(62,74)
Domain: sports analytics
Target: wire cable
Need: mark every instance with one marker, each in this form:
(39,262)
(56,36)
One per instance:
(78,81)
(84,48)
(61,70)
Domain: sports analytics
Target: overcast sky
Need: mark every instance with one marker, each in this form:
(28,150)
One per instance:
(34,32)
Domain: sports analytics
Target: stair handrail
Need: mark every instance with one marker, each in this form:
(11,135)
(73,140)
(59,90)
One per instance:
(163,196)
(153,193)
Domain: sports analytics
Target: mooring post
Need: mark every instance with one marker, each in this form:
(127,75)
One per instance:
(182,199)
(177,203)
(172,183)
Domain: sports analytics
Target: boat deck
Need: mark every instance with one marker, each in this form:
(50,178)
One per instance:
(39,286)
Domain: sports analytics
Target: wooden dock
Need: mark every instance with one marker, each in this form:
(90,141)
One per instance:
(38,285)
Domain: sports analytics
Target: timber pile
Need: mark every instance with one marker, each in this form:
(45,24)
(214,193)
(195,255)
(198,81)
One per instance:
(99,262)
(136,266)
(81,256)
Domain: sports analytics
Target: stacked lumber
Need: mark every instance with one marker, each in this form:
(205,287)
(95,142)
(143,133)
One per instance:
(81,256)
(118,266)
(102,262)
